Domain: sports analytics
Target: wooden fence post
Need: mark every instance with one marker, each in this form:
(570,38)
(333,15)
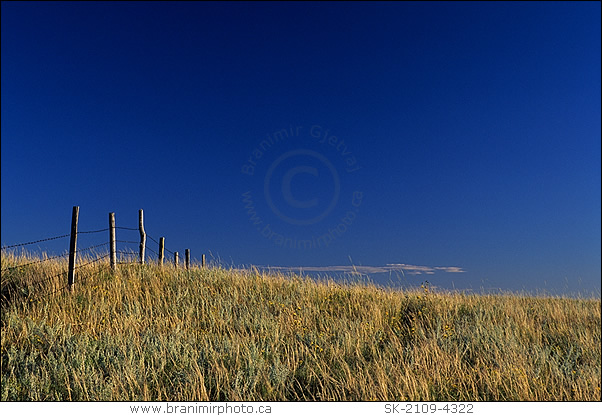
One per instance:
(187,253)
(161,250)
(176,259)
(142,235)
(73,248)
(112,243)
(203,260)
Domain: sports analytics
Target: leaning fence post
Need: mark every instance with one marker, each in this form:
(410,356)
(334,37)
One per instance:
(142,235)
(176,259)
(187,253)
(72,247)
(112,243)
(161,249)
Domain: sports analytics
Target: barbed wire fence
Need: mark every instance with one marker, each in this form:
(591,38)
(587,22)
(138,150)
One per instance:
(51,283)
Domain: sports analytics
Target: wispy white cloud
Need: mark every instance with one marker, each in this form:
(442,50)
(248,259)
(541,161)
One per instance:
(450,269)
(364,269)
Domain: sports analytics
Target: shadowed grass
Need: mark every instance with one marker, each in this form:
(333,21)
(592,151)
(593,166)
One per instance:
(146,333)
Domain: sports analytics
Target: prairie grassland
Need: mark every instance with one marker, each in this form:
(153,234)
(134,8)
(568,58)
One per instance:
(147,333)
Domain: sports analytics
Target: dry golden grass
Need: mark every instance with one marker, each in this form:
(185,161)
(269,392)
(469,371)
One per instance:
(146,333)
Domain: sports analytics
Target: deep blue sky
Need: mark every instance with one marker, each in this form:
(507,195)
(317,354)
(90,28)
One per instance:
(428,134)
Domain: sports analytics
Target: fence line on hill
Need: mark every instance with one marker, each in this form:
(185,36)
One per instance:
(73,252)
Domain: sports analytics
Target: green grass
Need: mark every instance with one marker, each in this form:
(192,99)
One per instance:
(146,333)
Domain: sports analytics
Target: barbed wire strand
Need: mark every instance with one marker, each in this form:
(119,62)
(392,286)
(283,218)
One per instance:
(34,262)
(79,280)
(124,253)
(42,296)
(154,240)
(96,231)
(52,257)
(127,259)
(91,262)
(30,284)
(39,282)
(35,242)
(91,247)
(87,277)
(49,278)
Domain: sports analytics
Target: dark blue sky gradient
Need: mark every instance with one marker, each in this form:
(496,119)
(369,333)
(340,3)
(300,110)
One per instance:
(474,129)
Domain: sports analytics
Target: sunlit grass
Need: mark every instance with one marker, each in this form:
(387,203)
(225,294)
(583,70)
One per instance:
(146,333)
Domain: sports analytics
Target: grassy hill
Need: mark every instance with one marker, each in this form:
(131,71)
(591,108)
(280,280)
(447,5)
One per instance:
(147,333)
